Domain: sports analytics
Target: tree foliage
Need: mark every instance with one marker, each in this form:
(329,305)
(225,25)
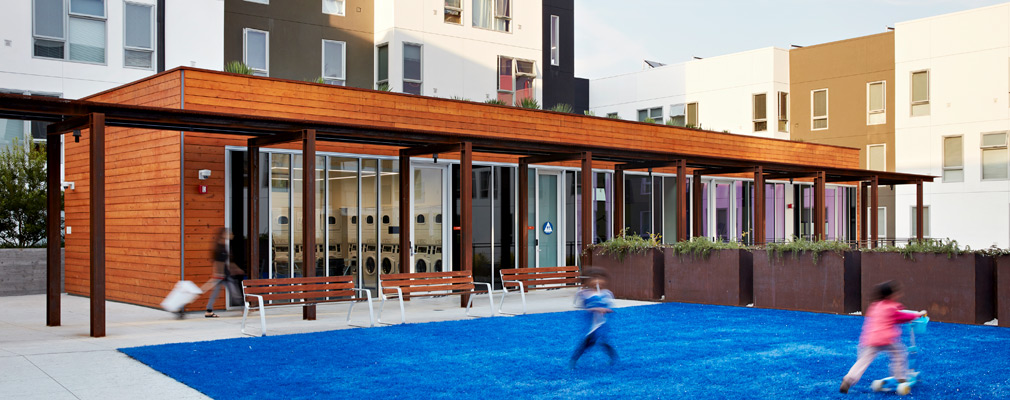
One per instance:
(23,195)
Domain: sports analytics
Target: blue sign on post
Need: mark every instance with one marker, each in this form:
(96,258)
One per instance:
(548,228)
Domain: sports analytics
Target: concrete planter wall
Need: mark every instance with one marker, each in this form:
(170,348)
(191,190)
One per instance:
(638,276)
(956,289)
(1003,291)
(23,271)
(724,277)
(797,283)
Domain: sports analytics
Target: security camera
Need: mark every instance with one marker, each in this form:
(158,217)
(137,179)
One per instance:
(68,185)
(204,173)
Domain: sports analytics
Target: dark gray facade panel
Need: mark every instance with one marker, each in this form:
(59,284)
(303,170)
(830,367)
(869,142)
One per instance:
(559,81)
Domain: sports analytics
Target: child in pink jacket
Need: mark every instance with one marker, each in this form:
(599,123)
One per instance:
(881,333)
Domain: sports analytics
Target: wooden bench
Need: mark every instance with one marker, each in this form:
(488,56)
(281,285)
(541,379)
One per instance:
(430,284)
(537,278)
(301,292)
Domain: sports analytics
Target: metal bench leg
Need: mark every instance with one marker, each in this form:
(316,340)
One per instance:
(371,313)
(490,297)
(403,314)
(505,293)
(522,296)
(263,318)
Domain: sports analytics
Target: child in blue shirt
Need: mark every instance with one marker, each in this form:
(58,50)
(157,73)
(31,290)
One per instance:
(599,302)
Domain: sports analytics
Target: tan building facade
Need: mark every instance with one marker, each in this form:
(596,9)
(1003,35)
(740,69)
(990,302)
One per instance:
(843,95)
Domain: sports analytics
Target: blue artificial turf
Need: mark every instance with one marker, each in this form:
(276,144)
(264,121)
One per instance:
(670,350)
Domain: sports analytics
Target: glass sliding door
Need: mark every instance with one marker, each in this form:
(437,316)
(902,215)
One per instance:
(637,204)
(280,216)
(669,205)
(369,259)
(602,199)
(482,224)
(389,217)
(573,221)
(503,220)
(722,211)
(342,217)
(428,209)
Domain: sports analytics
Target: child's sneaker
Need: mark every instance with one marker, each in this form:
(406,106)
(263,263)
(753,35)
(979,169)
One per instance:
(845,386)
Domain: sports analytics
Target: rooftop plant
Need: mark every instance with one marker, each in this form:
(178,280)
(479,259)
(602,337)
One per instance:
(562,107)
(589,113)
(383,87)
(237,67)
(495,102)
(614,116)
(529,102)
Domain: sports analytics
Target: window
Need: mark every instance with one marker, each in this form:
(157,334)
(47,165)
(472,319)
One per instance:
(333,7)
(692,115)
(920,93)
(259,1)
(77,34)
(876,108)
(925,223)
(677,117)
(382,66)
(819,109)
(454,12)
(613,115)
(881,222)
(493,14)
(256,51)
(555,40)
(412,68)
(138,36)
(876,157)
(994,156)
(760,112)
(953,159)
(654,115)
(334,67)
(515,80)
(783,112)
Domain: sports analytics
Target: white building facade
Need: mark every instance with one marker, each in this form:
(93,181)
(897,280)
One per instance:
(952,80)
(742,93)
(75,48)
(469,49)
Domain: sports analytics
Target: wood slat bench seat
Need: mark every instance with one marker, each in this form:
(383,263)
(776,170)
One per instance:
(524,279)
(430,284)
(301,292)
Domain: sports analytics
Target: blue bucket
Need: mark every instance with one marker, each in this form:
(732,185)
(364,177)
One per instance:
(919,324)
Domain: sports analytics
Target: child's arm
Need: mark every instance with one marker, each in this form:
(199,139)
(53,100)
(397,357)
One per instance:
(903,316)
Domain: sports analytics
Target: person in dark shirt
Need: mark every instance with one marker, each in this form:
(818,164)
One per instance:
(222,267)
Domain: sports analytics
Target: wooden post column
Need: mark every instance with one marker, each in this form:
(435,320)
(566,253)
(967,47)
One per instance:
(758,234)
(524,214)
(588,192)
(309,212)
(406,247)
(253,213)
(874,188)
(918,212)
(696,189)
(53,192)
(819,228)
(863,221)
(618,200)
(466,210)
(682,226)
(97,217)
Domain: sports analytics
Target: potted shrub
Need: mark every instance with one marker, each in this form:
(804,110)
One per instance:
(952,284)
(820,276)
(710,272)
(634,263)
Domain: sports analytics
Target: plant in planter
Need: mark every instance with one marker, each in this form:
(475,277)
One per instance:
(237,67)
(529,102)
(817,275)
(634,263)
(711,272)
(954,284)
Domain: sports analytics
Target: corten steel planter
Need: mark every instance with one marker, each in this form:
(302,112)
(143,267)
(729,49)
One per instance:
(952,289)
(1003,290)
(638,276)
(725,277)
(795,282)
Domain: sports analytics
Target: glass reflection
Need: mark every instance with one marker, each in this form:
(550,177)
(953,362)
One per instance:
(369,260)
(342,216)
(389,217)
(280,215)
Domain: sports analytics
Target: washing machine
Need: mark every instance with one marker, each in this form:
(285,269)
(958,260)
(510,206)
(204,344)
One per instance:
(370,254)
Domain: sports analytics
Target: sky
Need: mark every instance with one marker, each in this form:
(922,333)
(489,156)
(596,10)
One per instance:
(613,37)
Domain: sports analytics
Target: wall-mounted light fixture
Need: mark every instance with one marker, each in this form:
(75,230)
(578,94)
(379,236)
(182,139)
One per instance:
(435,158)
(77,135)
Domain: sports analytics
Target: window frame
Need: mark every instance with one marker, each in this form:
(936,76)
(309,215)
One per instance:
(756,121)
(648,114)
(66,15)
(403,62)
(782,111)
(379,82)
(266,52)
(827,102)
(343,9)
(883,103)
(982,150)
(683,115)
(555,39)
(154,37)
(911,93)
(343,63)
(64,11)
(943,159)
(687,116)
(868,158)
(258,1)
(445,11)
(495,18)
(912,222)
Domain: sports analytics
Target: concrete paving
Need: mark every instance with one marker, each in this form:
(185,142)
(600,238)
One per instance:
(40,362)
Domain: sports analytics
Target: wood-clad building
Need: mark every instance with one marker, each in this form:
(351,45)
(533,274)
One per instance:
(162,217)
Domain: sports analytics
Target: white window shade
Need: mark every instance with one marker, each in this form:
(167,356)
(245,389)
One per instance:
(334,7)
(256,51)
(876,97)
(876,158)
(482,13)
(994,156)
(953,159)
(94,8)
(87,40)
(333,62)
(555,40)
(48,19)
(920,93)
(138,26)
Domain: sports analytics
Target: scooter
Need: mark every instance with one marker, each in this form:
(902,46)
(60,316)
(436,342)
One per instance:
(913,375)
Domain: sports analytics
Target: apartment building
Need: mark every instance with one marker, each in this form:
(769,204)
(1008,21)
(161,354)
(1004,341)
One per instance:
(74,48)
(843,95)
(952,115)
(743,93)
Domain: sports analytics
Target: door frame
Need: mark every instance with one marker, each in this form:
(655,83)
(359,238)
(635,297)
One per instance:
(446,193)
